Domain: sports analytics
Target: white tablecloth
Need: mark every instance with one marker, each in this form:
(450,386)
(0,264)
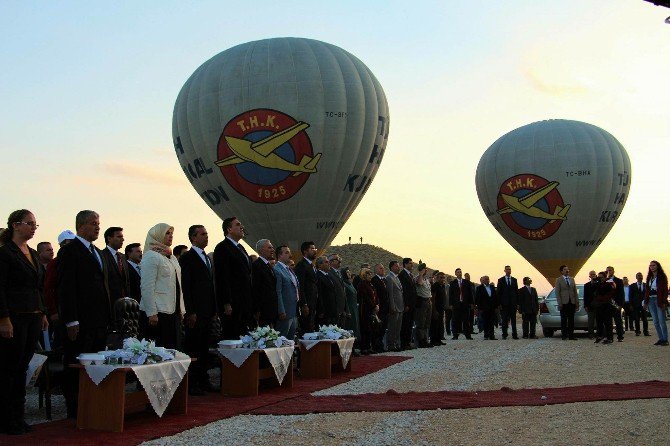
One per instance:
(279,358)
(34,367)
(346,346)
(160,381)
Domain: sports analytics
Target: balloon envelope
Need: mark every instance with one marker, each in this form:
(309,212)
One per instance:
(554,189)
(284,133)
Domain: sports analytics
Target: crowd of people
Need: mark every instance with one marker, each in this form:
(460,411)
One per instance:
(187,293)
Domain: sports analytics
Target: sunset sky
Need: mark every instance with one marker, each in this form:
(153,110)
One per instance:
(88,91)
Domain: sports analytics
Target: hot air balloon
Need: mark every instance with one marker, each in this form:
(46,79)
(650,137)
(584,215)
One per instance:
(285,133)
(554,189)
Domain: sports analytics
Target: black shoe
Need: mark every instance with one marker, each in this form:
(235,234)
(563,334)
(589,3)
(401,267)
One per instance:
(619,339)
(598,340)
(196,391)
(504,336)
(637,334)
(647,334)
(469,337)
(27,427)
(525,336)
(532,337)
(664,343)
(658,342)
(564,339)
(572,338)
(493,338)
(607,341)
(515,337)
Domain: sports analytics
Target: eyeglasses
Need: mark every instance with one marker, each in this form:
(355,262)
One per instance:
(28,223)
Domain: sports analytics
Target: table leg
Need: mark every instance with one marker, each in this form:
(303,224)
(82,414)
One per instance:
(102,407)
(240,381)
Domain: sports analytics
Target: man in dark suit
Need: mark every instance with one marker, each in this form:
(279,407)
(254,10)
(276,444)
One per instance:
(528,307)
(508,289)
(409,301)
(232,277)
(265,284)
(326,310)
(134,257)
(118,280)
(305,270)
(83,298)
(379,284)
(487,301)
(340,293)
(460,297)
(197,282)
(620,300)
(636,292)
(589,293)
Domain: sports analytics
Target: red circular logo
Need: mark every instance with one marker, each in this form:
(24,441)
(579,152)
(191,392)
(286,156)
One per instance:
(266,155)
(531,206)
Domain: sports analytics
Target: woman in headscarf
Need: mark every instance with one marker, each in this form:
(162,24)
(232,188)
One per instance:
(162,301)
(22,316)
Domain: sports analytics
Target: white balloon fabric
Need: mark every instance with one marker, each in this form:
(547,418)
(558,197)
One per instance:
(285,133)
(554,189)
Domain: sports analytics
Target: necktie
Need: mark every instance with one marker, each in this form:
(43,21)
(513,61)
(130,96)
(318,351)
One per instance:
(460,286)
(567,280)
(244,251)
(207,262)
(92,249)
(508,282)
(119,265)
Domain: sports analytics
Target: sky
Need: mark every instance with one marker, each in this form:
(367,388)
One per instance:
(88,91)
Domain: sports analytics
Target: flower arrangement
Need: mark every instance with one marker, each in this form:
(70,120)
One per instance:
(333,332)
(264,337)
(139,352)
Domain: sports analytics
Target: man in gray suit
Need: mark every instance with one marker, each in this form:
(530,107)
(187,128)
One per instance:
(287,294)
(568,302)
(340,294)
(396,307)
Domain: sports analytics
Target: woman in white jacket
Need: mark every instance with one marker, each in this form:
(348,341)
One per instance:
(162,301)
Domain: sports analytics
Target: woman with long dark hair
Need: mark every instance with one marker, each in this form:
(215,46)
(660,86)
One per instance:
(22,316)
(656,300)
(162,300)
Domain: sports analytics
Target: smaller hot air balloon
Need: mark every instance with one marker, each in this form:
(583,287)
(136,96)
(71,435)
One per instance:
(554,189)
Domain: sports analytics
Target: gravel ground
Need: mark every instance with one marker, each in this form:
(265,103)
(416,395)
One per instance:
(479,365)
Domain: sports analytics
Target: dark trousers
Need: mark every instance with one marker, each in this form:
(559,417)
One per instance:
(639,313)
(618,322)
(307,324)
(406,327)
(629,315)
(89,340)
(568,320)
(167,333)
(604,321)
(196,343)
(508,314)
(591,322)
(378,341)
(448,314)
(488,318)
(15,355)
(437,327)
(528,322)
(461,324)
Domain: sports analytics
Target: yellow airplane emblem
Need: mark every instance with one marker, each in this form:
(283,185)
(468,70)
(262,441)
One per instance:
(526,205)
(262,152)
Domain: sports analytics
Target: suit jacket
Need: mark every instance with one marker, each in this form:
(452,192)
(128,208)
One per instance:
(485,302)
(455,294)
(508,294)
(265,292)
(232,277)
(287,291)
(197,285)
(83,294)
(159,277)
(309,293)
(564,293)
(439,292)
(408,289)
(117,281)
(21,283)
(528,301)
(636,294)
(382,294)
(619,293)
(327,304)
(340,292)
(394,291)
(134,279)
(589,293)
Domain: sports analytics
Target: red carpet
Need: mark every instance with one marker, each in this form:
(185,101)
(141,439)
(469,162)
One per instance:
(201,410)
(392,401)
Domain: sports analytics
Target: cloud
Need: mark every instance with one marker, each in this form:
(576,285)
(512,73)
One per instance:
(543,81)
(143,172)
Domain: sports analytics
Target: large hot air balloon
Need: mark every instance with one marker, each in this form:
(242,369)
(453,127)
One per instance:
(286,134)
(554,189)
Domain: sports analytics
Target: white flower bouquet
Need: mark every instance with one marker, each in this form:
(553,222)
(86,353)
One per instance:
(139,352)
(264,337)
(333,332)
